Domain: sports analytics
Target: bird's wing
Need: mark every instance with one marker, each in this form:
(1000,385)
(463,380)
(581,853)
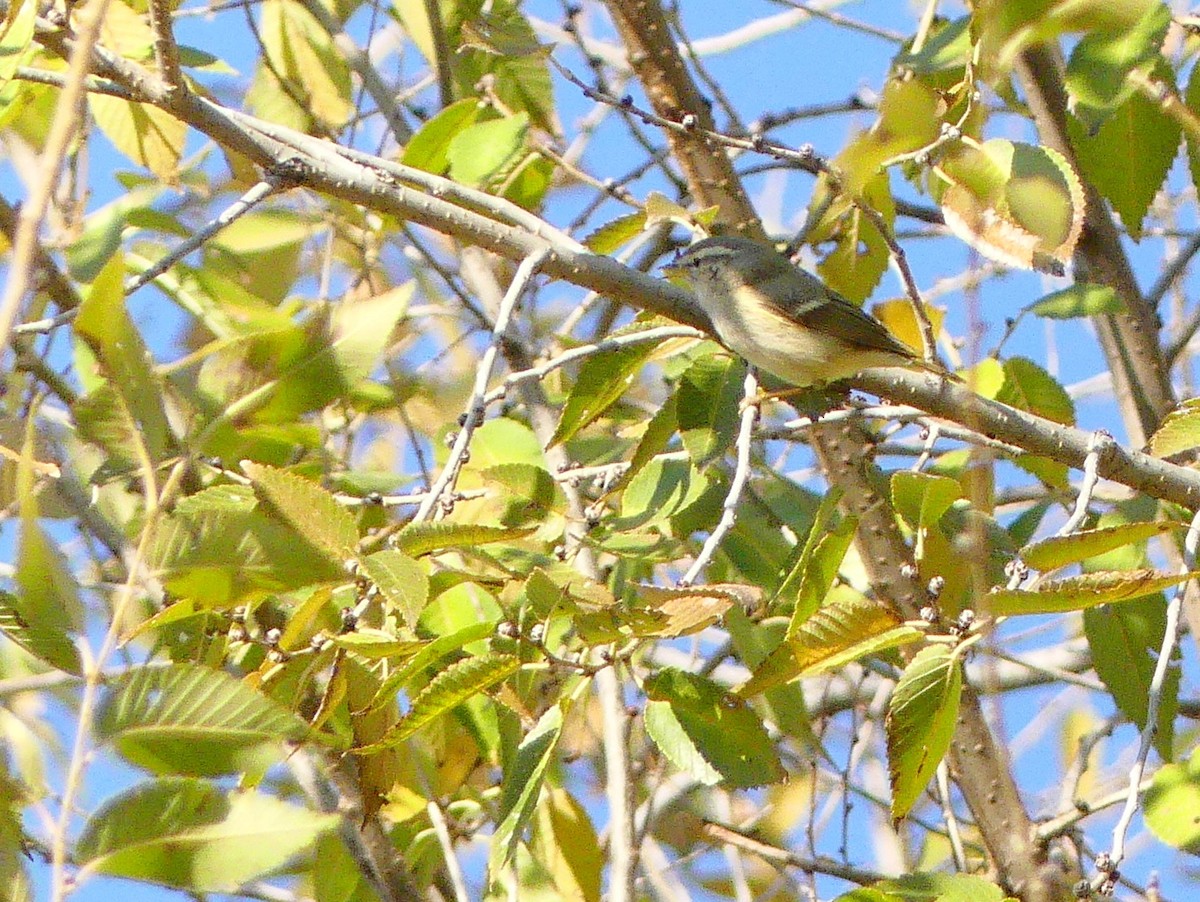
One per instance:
(819,307)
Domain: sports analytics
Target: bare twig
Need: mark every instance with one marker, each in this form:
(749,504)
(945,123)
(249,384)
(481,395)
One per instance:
(741,476)
(166,51)
(1107,876)
(477,403)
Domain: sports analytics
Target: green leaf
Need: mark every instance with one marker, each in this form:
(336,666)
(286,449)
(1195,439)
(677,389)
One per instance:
(484,153)
(376,645)
(845,629)
(192,720)
(920,723)
(1079,300)
(662,490)
(446,691)
(1097,75)
(708,732)
(1029,387)
(110,335)
(564,842)
(522,785)
(302,52)
(818,568)
(44,641)
(1058,551)
(189,834)
(500,42)
(1077,593)
(1192,99)
(418,539)
(860,255)
(218,553)
(16,38)
(1019,204)
(310,510)
(706,409)
(603,379)
(937,887)
(429,148)
(1179,431)
(1171,804)
(403,582)
(1138,122)
(145,134)
(431,654)
(922,499)
(1125,641)
(607,238)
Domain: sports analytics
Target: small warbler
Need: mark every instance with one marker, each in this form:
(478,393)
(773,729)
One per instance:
(784,320)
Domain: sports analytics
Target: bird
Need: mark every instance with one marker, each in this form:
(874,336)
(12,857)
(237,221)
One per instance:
(783,320)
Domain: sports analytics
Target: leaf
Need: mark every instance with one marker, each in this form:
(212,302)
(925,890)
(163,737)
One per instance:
(522,785)
(709,733)
(664,489)
(16,37)
(1097,75)
(417,539)
(145,134)
(1171,804)
(429,148)
(1058,551)
(860,256)
(818,568)
(122,356)
(1079,300)
(603,379)
(446,691)
(606,239)
(842,631)
(939,887)
(482,154)
(1029,387)
(376,645)
(693,609)
(706,409)
(403,582)
(1077,593)
(189,719)
(44,641)
(303,53)
(564,842)
(920,723)
(1125,641)
(1132,187)
(189,834)
(310,510)
(1179,431)
(1018,204)
(922,499)
(431,654)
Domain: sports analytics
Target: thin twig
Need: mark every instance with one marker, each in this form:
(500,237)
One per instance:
(1107,876)
(234,211)
(948,815)
(1097,445)
(741,475)
(68,113)
(453,866)
(477,403)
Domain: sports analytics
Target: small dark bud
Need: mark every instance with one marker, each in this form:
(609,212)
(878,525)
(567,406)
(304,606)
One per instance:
(374,498)
(689,121)
(627,100)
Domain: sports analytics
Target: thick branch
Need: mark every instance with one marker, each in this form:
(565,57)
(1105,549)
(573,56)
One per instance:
(1129,339)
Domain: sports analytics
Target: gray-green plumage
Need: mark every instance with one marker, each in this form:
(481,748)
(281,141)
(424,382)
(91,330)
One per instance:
(784,320)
